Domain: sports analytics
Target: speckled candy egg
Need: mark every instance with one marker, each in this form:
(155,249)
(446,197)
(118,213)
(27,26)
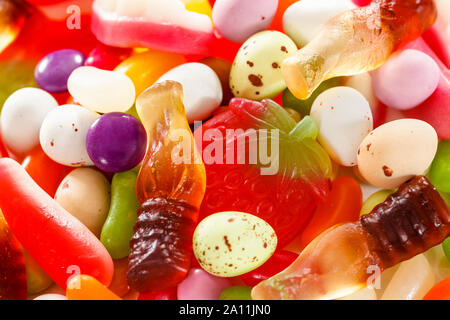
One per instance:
(344,119)
(85,193)
(229,244)
(256,70)
(63,135)
(396,151)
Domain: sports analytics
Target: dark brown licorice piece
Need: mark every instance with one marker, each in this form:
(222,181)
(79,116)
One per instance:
(409,222)
(170,187)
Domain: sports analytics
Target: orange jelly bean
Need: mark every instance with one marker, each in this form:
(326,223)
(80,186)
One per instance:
(343,205)
(83,287)
(440,291)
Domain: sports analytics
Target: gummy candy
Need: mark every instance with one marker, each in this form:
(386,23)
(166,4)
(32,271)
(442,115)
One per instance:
(170,192)
(338,261)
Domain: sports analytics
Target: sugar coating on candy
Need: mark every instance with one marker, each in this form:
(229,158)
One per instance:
(344,118)
(256,70)
(397,151)
(200,285)
(63,135)
(229,244)
(22,116)
(53,71)
(406,80)
(237,20)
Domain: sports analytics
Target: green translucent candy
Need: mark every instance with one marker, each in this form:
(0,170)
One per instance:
(374,200)
(440,169)
(304,106)
(236,293)
(118,228)
(15,75)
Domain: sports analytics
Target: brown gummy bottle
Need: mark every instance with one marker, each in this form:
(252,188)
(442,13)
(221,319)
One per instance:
(341,260)
(170,187)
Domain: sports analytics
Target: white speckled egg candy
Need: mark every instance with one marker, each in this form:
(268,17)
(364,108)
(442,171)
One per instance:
(202,90)
(63,135)
(406,80)
(237,20)
(21,118)
(229,244)
(303,20)
(344,119)
(396,151)
(102,91)
(85,193)
(256,70)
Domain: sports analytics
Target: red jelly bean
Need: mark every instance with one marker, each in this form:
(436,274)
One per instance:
(58,242)
(279,261)
(167,294)
(106,57)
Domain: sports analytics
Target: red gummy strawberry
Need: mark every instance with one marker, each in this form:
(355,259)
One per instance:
(283,188)
(13,280)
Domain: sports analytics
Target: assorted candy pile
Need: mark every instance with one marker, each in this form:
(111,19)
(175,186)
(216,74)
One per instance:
(228,149)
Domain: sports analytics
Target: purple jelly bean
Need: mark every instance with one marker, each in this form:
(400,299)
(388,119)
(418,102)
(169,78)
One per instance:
(116,142)
(53,71)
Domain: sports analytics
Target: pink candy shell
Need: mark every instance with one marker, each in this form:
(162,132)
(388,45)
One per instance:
(200,285)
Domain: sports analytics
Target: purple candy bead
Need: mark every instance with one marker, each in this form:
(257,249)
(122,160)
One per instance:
(116,142)
(53,71)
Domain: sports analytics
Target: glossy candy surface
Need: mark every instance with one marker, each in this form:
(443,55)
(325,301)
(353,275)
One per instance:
(200,285)
(66,242)
(53,71)
(84,287)
(440,168)
(170,188)
(116,142)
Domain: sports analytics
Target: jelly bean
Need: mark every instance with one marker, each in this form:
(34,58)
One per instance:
(237,20)
(303,20)
(406,80)
(446,248)
(347,44)
(362,3)
(374,200)
(277,22)
(119,284)
(343,205)
(363,294)
(304,106)
(440,291)
(413,279)
(107,58)
(344,119)
(116,142)
(440,168)
(236,293)
(53,71)
(166,26)
(279,261)
(200,285)
(37,279)
(167,294)
(146,67)
(84,287)
(13,280)
(229,244)
(222,69)
(3,151)
(58,242)
(101,90)
(223,48)
(85,193)
(202,90)
(253,75)
(63,135)
(118,228)
(21,118)
(397,151)
(48,179)
(51,296)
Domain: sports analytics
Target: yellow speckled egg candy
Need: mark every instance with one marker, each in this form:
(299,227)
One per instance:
(229,244)
(256,70)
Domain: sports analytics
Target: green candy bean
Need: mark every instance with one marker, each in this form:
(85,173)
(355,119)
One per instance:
(118,228)
(446,247)
(440,168)
(236,293)
(374,200)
